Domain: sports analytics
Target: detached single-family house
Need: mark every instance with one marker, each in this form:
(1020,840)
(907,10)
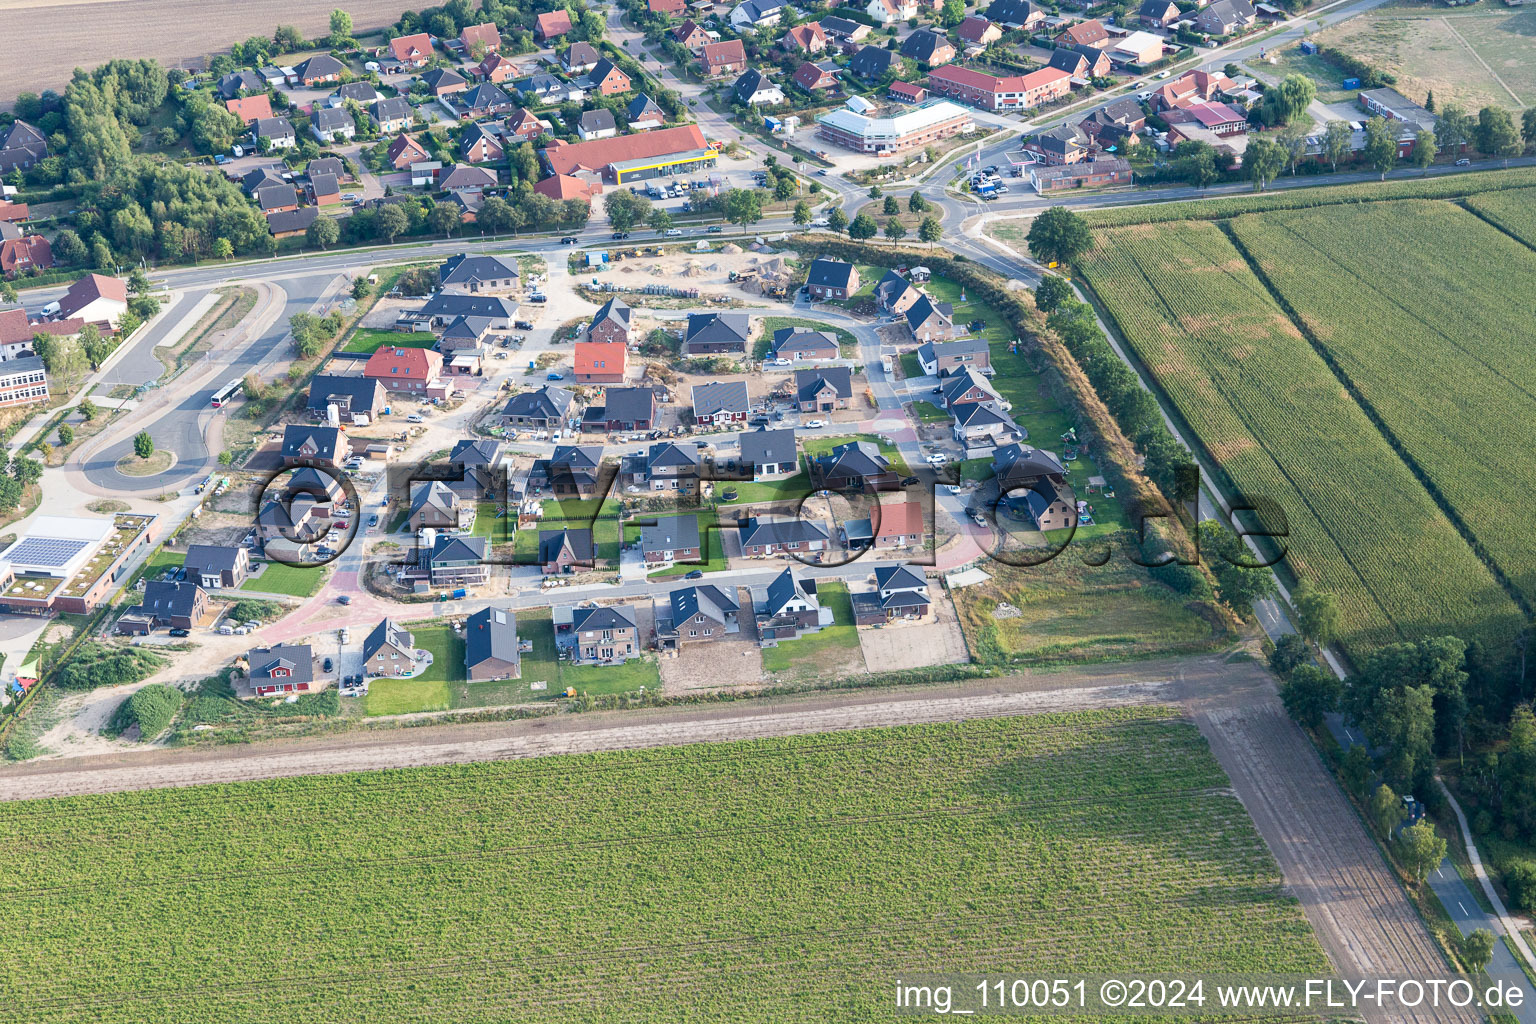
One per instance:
(808,37)
(928,47)
(332,124)
(626,410)
(895,294)
(693,39)
(898,525)
(484,38)
(724,58)
(319,69)
(899,593)
(945,358)
(815,76)
(1158,14)
(565,551)
(1223,17)
(570,470)
(716,334)
(286,668)
(823,389)
(305,443)
(545,408)
(757,14)
(872,62)
(404,369)
(770,454)
(434,505)
(929,320)
(600,362)
(763,536)
(889,12)
(405,151)
(610,323)
(831,279)
(491,646)
(644,113)
(720,403)
(669,540)
(551,25)
(753,89)
(788,607)
(1018,14)
(278,131)
(391,115)
(664,466)
(854,467)
(411,51)
(597,635)
(596,124)
(442,82)
(217,566)
(802,345)
(389,650)
(695,614)
(174,605)
(978,31)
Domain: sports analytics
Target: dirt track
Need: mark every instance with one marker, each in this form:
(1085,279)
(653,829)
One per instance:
(58,37)
(1356,907)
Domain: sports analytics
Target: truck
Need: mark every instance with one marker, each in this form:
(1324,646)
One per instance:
(886,364)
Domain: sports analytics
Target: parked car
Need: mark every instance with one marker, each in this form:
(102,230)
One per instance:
(523,325)
(327,665)
(936,459)
(344,599)
(373,519)
(552,375)
(181,632)
(814,424)
(696,574)
(415,417)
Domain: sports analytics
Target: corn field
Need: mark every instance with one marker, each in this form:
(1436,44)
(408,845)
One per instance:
(1433,323)
(783,880)
(1270,413)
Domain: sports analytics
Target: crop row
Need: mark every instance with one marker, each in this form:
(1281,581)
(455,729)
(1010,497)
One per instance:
(775,880)
(1433,323)
(1270,413)
(1452,186)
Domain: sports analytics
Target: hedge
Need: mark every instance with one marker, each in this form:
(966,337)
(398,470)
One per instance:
(152,707)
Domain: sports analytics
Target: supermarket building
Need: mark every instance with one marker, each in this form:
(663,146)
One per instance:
(912,128)
(628,158)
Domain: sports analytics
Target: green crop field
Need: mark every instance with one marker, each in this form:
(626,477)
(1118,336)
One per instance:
(1514,211)
(777,880)
(1272,416)
(1434,325)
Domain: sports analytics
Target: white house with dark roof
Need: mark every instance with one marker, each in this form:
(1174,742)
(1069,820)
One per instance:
(721,403)
(769,454)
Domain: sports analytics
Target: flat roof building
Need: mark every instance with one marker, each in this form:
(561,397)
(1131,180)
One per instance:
(910,129)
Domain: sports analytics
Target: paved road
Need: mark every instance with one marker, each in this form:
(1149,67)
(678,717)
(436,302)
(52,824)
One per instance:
(138,365)
(1458,902)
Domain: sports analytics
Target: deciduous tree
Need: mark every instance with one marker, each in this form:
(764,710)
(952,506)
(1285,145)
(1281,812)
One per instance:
(1059,236)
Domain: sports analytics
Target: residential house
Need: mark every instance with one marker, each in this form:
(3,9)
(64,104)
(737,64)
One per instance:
(763,536)
(668,540)
(467,179)
(404,369)
(522,126)
(720,403)
(756,14)
(483,100)
(25,255)
(411,51)
(889,12)
(809,38)
(1223,17)
(389,650)
(813,77)
(788,607)
(695,614)
(456,560)
(1049,504)
(250,109)
(844,30)
(990,92)
(895,294)
(600,362)
(1194,87)
(453,302)
(442,82)
(481,143)
(1067,59)
(1138,48)
(1059,146)
(563,186)
(897,525)
(664,466)
(305,443)
(285,668)
(1214,117)
(771,454)
(21,146)
(17,333)
(570,470)
(548,88)
(278,131)
(545,408)
(871,63)
(96,299)
(1020,466)
(966,386)
(1085,33)
(404,152)
(1016,14)
(674,8)
(174,605)
(823,389)
(597,124)
(899,593)
(929,320)
(606,79)
(277,198)
(579,58)
(754,89)
(434,505)
(716,334)
(391,115)
(625,410)
(831,279)
(945,358)
(350,396)
(643,113)
(928,47)
(979,31)
(724,58)
(597,636)
(853,467)
(361,93)
(484,38)
(491,646)
(478,461)
(231,86)
(291,223)
(495,68)
(800,344)
(331,165)
(217,566)
(906,92)
(1098,173)
(980,425)
(1158,14)
(611,322)
(693,39)
(332,124)
(318,70)
(565,551)
(552,25)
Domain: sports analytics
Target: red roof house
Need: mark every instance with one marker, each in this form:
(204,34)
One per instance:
(250,108)
(20,256)
(404,369)
(729,57)
(412,51)
(552,24)
(601,362)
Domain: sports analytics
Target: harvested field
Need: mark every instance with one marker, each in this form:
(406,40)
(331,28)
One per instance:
(95,33)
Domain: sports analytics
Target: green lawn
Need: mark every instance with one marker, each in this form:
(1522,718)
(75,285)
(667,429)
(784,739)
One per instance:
(847,344)
(158,562)
(278,578)
(910,366)
(927,412)
(487,524)
(429,691)
(605,529)
(370,339)
(601,679)
(820,652)
(542,665)
(752,491)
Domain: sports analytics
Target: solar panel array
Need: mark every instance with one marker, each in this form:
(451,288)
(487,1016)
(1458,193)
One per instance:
(54,552)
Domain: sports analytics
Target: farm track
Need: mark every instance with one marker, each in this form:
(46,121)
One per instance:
(1356,906)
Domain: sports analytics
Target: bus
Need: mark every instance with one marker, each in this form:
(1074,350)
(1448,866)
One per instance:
(228,392)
